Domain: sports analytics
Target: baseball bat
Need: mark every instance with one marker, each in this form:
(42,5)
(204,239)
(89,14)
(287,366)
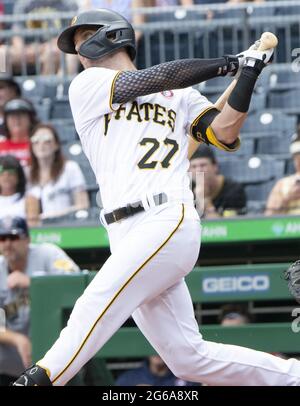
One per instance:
(267,41)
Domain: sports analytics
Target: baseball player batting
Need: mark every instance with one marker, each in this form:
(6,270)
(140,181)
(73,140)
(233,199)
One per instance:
(134,126)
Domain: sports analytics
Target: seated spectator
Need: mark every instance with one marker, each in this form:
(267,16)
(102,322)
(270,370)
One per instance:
(234,315)
(19,120)
(19,261)
(12,187)
(153,372)
(57,187)
(284,198)
(9,89)
(39,49)
(222,196)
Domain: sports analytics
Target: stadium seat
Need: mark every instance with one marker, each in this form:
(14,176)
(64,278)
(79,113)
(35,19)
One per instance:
(61,109)
(94,198)
(259,192)
(255,207)
(256,169)
(66,130)
(8,6)
(43,109)
(288,101)
(289,167)
(274,145)
(290,10)
(269,122)
(88,174)
(283,78)
(215,85)
(37,86)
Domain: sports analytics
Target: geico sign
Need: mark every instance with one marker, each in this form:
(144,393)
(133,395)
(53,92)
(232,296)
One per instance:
(244,283)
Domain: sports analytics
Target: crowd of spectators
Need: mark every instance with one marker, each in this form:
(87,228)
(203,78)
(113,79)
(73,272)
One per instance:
(36,180)
(54,185)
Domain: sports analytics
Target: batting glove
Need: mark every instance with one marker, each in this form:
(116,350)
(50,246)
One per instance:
(254,58)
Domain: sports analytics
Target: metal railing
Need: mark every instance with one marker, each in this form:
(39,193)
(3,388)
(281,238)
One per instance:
(174,32)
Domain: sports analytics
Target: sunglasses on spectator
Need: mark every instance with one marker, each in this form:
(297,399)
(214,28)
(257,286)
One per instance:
(41,138)
(9,170)
(10,237)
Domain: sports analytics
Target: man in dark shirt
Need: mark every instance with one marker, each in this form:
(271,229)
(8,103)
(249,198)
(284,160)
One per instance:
(222,196)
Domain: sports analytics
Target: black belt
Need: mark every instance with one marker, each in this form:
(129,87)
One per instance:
(132,209)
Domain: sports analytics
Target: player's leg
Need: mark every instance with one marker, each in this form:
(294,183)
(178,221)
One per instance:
(148,260)
(169,324)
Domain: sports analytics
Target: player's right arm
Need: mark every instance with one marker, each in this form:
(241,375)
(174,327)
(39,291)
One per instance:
(222,128)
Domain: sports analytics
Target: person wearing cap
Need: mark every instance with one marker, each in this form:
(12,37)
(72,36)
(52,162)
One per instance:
(12,187)
(19,120)
(222,196)
(9,89)
(284,198)
(19,261)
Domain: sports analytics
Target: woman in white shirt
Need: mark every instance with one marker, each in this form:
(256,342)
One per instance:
(12,187)
(57,187)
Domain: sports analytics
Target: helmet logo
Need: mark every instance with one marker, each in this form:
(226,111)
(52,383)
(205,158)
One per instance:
(74,20)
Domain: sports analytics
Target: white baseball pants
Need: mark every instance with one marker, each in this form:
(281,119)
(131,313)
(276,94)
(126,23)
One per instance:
(144,277)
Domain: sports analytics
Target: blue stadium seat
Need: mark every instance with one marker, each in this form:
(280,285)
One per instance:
(289,166)
(8,6)
(88,174)
(94,198)
(288,101)
(43,109)
(259,192)
(283,78)
(66,130)
(269,122)
(256,169)
(61,109)
(73,150)
(274,145)
(215,85)
(290,10)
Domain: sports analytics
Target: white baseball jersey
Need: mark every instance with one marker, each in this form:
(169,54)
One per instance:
(135,148)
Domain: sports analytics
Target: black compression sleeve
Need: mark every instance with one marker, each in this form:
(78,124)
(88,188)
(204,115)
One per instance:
(170,75)
(240,97)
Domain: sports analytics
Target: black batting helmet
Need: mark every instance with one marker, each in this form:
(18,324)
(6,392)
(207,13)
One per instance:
(113,32)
